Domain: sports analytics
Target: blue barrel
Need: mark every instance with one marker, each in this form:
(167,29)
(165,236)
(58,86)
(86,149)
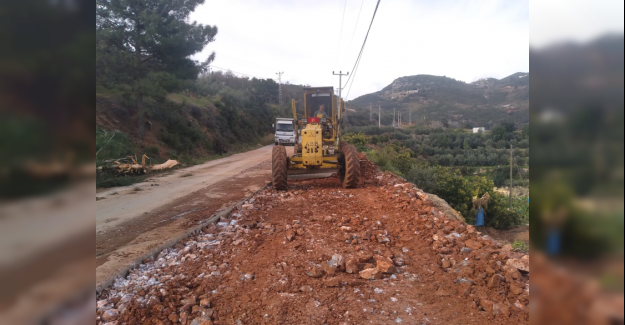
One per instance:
(479,221)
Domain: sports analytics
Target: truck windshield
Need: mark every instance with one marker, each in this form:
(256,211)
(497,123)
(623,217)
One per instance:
(283,127)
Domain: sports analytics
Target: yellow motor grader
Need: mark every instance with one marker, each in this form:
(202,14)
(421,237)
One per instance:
(318,148)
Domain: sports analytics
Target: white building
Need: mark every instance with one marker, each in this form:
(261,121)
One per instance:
(479,130)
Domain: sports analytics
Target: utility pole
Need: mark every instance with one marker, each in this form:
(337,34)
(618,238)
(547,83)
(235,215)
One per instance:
(510,203)
(379,118)
(280,87)
(393,117)
(340,74)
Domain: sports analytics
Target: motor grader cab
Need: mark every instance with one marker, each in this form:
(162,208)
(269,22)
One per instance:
(318,148)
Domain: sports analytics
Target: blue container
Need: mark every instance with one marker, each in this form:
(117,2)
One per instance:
(479,221)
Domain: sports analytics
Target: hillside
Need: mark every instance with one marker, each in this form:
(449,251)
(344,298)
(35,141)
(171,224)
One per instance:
(485,102)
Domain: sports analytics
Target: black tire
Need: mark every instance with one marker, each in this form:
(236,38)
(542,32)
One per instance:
(349,172)
(279,168)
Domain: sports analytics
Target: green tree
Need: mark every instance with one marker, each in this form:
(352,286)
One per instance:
(525,131)
(499,133)
(154,41)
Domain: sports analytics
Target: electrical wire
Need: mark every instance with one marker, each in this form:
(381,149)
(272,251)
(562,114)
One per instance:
(340,34)
(355,26)
(357,63)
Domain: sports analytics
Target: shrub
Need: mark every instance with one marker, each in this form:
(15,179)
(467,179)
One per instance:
(359,140)
(112,144)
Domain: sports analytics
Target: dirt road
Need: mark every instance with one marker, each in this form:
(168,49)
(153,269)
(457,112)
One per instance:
(120,204)
(321,254)
(132,220)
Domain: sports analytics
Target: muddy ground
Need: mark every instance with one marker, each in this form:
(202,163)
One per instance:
(320,254)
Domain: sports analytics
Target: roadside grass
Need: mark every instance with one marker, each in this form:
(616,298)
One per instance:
(267,139)
(520,246)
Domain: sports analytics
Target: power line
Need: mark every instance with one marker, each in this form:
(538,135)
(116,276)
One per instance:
(361,50)
(355,26)
(340,34)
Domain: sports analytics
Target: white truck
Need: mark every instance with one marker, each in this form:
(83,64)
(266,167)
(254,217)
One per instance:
(284,131)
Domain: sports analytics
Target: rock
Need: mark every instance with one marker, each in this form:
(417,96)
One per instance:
(507,248)
(205,302)
(191,300)
(487,305)
(315,271)
(330,267)
(101,303)
(489,270)
(152,301)
(384,264)
(339,260)
(446,264)
(472,244)
(470,229)
(305,289)
(370,274)
(174,318)
(110,315)
(351,265)
(522,264)
(247,206)
(501,310)
(184,316)
(516,290)
(495,281)
(197,309)
(364,257)
(202,320)
(126,299)
(115,300)
(290,235)
(332,282)
(442,293)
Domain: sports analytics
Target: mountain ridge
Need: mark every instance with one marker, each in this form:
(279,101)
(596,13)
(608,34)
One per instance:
(484,102)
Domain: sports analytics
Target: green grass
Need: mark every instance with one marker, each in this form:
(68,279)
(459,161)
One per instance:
(180,98)
(113,181)
(520,246)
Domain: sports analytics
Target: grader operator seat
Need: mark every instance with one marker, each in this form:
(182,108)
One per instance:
(318,148)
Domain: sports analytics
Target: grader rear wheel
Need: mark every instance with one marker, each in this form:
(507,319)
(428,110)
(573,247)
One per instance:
(349,171)
(278,167)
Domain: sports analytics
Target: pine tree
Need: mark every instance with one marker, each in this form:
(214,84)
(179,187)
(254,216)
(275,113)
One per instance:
(152,42)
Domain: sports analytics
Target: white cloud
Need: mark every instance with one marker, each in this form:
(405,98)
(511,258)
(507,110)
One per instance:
(573,20)
(465,40)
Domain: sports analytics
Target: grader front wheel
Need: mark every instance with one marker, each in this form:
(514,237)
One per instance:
(278,167)
(349,171)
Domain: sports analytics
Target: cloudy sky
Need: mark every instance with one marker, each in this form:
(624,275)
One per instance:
(580,21)
(465,40)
